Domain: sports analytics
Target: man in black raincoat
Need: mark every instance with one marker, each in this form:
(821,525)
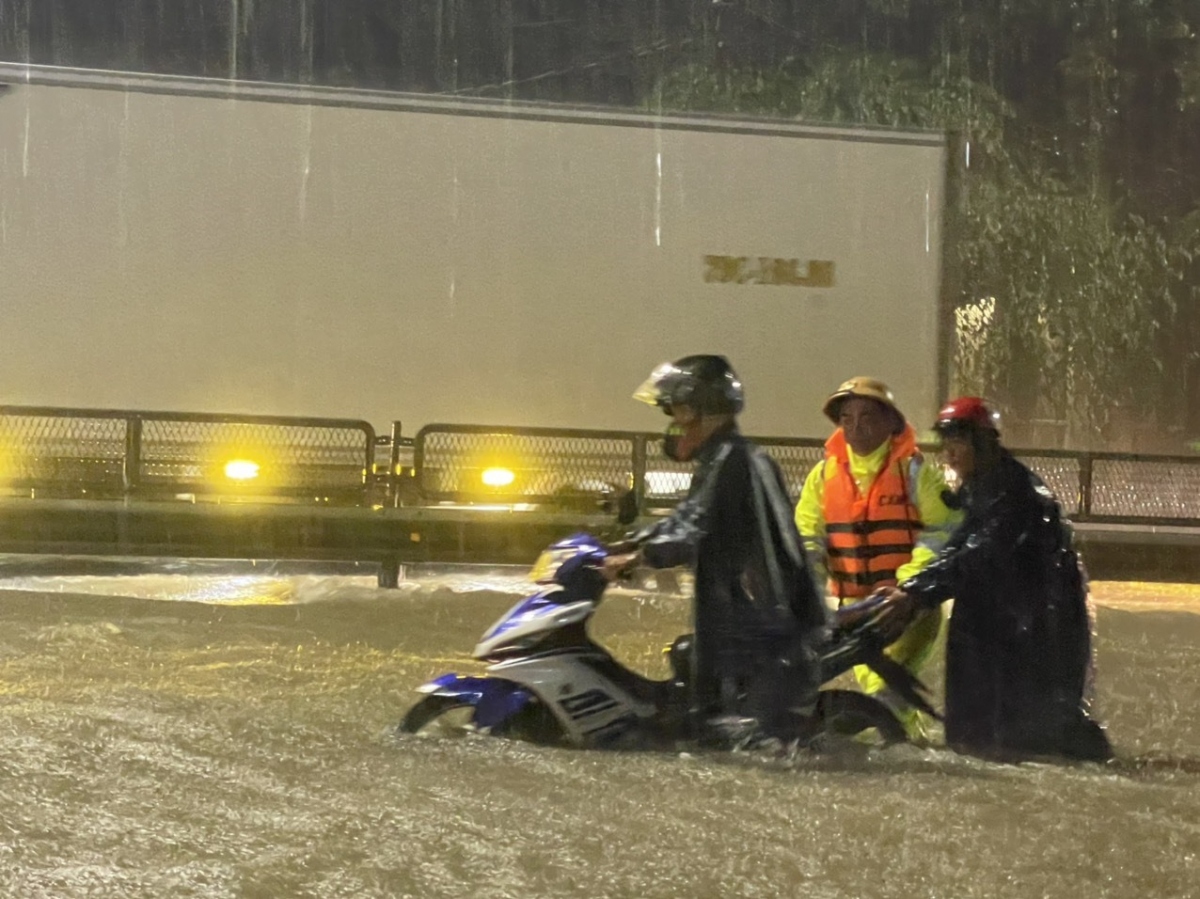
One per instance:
(758,614)
(1018,653)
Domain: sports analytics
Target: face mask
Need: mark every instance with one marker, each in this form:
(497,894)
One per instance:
(671,441)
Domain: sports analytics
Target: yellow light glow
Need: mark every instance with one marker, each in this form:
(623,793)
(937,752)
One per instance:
(498,477)
(241,470)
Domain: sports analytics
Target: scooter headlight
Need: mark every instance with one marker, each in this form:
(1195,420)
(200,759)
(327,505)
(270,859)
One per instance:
(548,563)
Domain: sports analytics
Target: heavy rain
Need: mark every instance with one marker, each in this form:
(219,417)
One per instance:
(322,320)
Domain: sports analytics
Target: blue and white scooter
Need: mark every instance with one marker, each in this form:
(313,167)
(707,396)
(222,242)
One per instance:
(549,683)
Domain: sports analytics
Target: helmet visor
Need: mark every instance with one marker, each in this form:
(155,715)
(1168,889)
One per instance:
(654,390)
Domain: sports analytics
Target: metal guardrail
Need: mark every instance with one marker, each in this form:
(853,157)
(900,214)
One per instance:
(1121,488)
(551,466)
(118,454)
(475,463)
(110,453)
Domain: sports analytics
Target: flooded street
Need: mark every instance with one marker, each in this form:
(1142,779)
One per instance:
(229,736)
(376,280)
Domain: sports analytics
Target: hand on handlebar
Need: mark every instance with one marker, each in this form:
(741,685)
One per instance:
(619,565)
(889,609)
(896,612)
(622,547)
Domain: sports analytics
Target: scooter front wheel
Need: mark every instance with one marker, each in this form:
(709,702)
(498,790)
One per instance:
(429,710)
(533,723)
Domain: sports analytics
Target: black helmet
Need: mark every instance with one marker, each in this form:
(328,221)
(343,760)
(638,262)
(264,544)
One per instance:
(705,383)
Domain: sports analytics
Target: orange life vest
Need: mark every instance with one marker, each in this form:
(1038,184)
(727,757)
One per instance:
(868,537)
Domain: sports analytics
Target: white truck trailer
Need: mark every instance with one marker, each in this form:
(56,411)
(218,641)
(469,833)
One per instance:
(216,246)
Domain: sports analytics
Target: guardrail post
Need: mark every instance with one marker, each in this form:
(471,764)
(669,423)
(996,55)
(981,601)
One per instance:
(1085,486)
(639,473)
(131,469)
(368,481)
(389,572)
(393,481)
(418,472)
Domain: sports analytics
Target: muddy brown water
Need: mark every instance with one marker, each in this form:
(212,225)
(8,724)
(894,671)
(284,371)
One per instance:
(178,735)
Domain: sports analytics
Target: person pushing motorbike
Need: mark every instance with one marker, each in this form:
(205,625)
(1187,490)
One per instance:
(757,612)
(1018,652)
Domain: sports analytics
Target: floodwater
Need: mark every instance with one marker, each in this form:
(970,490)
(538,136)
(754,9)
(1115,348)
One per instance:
(229,735)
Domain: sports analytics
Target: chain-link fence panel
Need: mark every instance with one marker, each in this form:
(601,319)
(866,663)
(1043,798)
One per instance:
(1145,488)
(54,456)
(667,481)
(796,459)
(469,464)
(275,457)
(110,453)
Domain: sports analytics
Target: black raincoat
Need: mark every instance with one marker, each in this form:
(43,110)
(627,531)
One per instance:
(1018,651)
(758,613)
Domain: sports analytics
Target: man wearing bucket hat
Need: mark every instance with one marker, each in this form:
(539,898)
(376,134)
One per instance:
(871,515)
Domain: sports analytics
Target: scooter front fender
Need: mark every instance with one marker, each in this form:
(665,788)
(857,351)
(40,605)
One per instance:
(494,699)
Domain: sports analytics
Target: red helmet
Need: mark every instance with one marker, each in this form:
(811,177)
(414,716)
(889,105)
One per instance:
(964,415)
